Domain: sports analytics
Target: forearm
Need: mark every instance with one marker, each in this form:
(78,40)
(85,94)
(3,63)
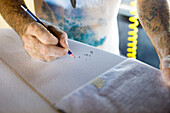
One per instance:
(154,17)
(14,15)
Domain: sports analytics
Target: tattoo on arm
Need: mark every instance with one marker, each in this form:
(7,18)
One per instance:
(152,12)
(154,17)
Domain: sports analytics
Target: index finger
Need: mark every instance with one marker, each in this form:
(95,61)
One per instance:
(61,35)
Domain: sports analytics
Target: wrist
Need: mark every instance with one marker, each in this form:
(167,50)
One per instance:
(21,30)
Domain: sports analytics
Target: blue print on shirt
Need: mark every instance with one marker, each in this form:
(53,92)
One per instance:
(71,22)
(85,35)
(81,33)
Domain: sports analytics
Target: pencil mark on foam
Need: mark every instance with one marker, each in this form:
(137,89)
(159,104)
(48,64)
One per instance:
(91,52)
(86,55)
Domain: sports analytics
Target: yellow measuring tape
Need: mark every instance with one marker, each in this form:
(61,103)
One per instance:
(132,44)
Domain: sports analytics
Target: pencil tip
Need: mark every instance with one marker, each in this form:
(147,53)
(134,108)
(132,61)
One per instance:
(72,55)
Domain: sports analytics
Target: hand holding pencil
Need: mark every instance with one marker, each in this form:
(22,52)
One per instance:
(44,42)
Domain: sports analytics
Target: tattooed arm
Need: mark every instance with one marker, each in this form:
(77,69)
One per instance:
(154,17)
(38,42)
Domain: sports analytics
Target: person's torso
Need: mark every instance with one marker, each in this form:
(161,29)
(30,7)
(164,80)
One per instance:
(91,22)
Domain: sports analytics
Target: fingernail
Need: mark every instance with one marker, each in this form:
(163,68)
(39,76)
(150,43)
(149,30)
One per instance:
(66,51)
(65,42)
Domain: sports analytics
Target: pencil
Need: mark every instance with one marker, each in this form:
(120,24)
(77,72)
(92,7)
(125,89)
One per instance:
(38,20)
